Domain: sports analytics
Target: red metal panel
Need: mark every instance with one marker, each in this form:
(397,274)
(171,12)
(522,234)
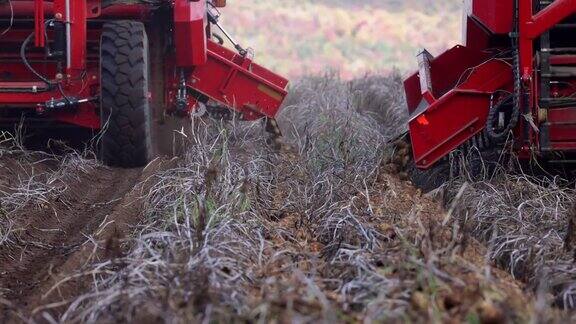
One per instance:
(413,92)
(563,59)
(549,17)
(446,71)
(563,133)
(190,32)
(562,115)
(496,15)
(476,37)
(40,28)
(141,12)
(239,83)
(85,116)
(22,85)
(16,72)
(78,34)
(457,116)
(562,127)
(28,100)
(447,125)
(25,8)
(563,146)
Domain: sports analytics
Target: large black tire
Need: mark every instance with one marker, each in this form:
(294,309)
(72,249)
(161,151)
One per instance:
(125,104)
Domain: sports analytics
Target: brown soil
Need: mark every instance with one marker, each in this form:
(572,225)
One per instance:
(469,283)
(87,221)
(457,282)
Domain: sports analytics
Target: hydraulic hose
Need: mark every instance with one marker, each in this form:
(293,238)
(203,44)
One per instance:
(494,116)
(27,64)
(494,112)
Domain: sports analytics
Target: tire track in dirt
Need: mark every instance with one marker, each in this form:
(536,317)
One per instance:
(63,235)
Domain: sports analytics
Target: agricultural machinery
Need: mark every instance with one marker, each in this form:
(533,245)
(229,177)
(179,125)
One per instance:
(511,85)
(112,65)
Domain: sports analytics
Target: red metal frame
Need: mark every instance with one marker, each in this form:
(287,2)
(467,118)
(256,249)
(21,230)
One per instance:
(208,68)
(39,27)
(440,122)
(190,34)
(441,125)
(237,82)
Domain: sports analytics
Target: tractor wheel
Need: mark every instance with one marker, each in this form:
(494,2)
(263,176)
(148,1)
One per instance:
(125,105)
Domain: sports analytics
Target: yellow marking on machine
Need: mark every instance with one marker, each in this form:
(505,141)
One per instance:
(270,92)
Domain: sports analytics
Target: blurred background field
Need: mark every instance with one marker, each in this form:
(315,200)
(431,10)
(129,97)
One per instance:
(301,37)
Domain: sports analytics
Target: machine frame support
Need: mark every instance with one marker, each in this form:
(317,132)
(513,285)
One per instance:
(65,87)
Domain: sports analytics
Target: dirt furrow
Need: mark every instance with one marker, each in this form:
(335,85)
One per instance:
(61,235)
(54,231)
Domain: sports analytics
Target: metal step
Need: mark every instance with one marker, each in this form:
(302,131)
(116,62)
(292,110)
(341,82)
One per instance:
(566,26)
(23,87)
(563,60)
(558,102)
(559,50)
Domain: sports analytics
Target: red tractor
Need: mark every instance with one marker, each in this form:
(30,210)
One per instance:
(513,81)
(110,65)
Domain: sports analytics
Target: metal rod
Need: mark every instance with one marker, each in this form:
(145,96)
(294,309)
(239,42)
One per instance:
(214,20)
(68,36)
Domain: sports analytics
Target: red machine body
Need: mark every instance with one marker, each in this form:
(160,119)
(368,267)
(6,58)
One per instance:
(192,69)
(514,78)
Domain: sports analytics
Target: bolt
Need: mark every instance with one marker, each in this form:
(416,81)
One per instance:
(58,16)
(59,76)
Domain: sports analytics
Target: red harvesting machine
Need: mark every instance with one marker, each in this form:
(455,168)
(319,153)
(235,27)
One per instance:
(513,81)
(110,65)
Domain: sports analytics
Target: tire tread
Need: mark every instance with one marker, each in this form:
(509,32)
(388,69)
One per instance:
(124,95)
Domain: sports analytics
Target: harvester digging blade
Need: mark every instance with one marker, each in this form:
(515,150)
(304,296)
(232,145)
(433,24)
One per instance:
(401,156)
(273,128)
(401,163)
(220,112)
(275,139)
(475,159)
